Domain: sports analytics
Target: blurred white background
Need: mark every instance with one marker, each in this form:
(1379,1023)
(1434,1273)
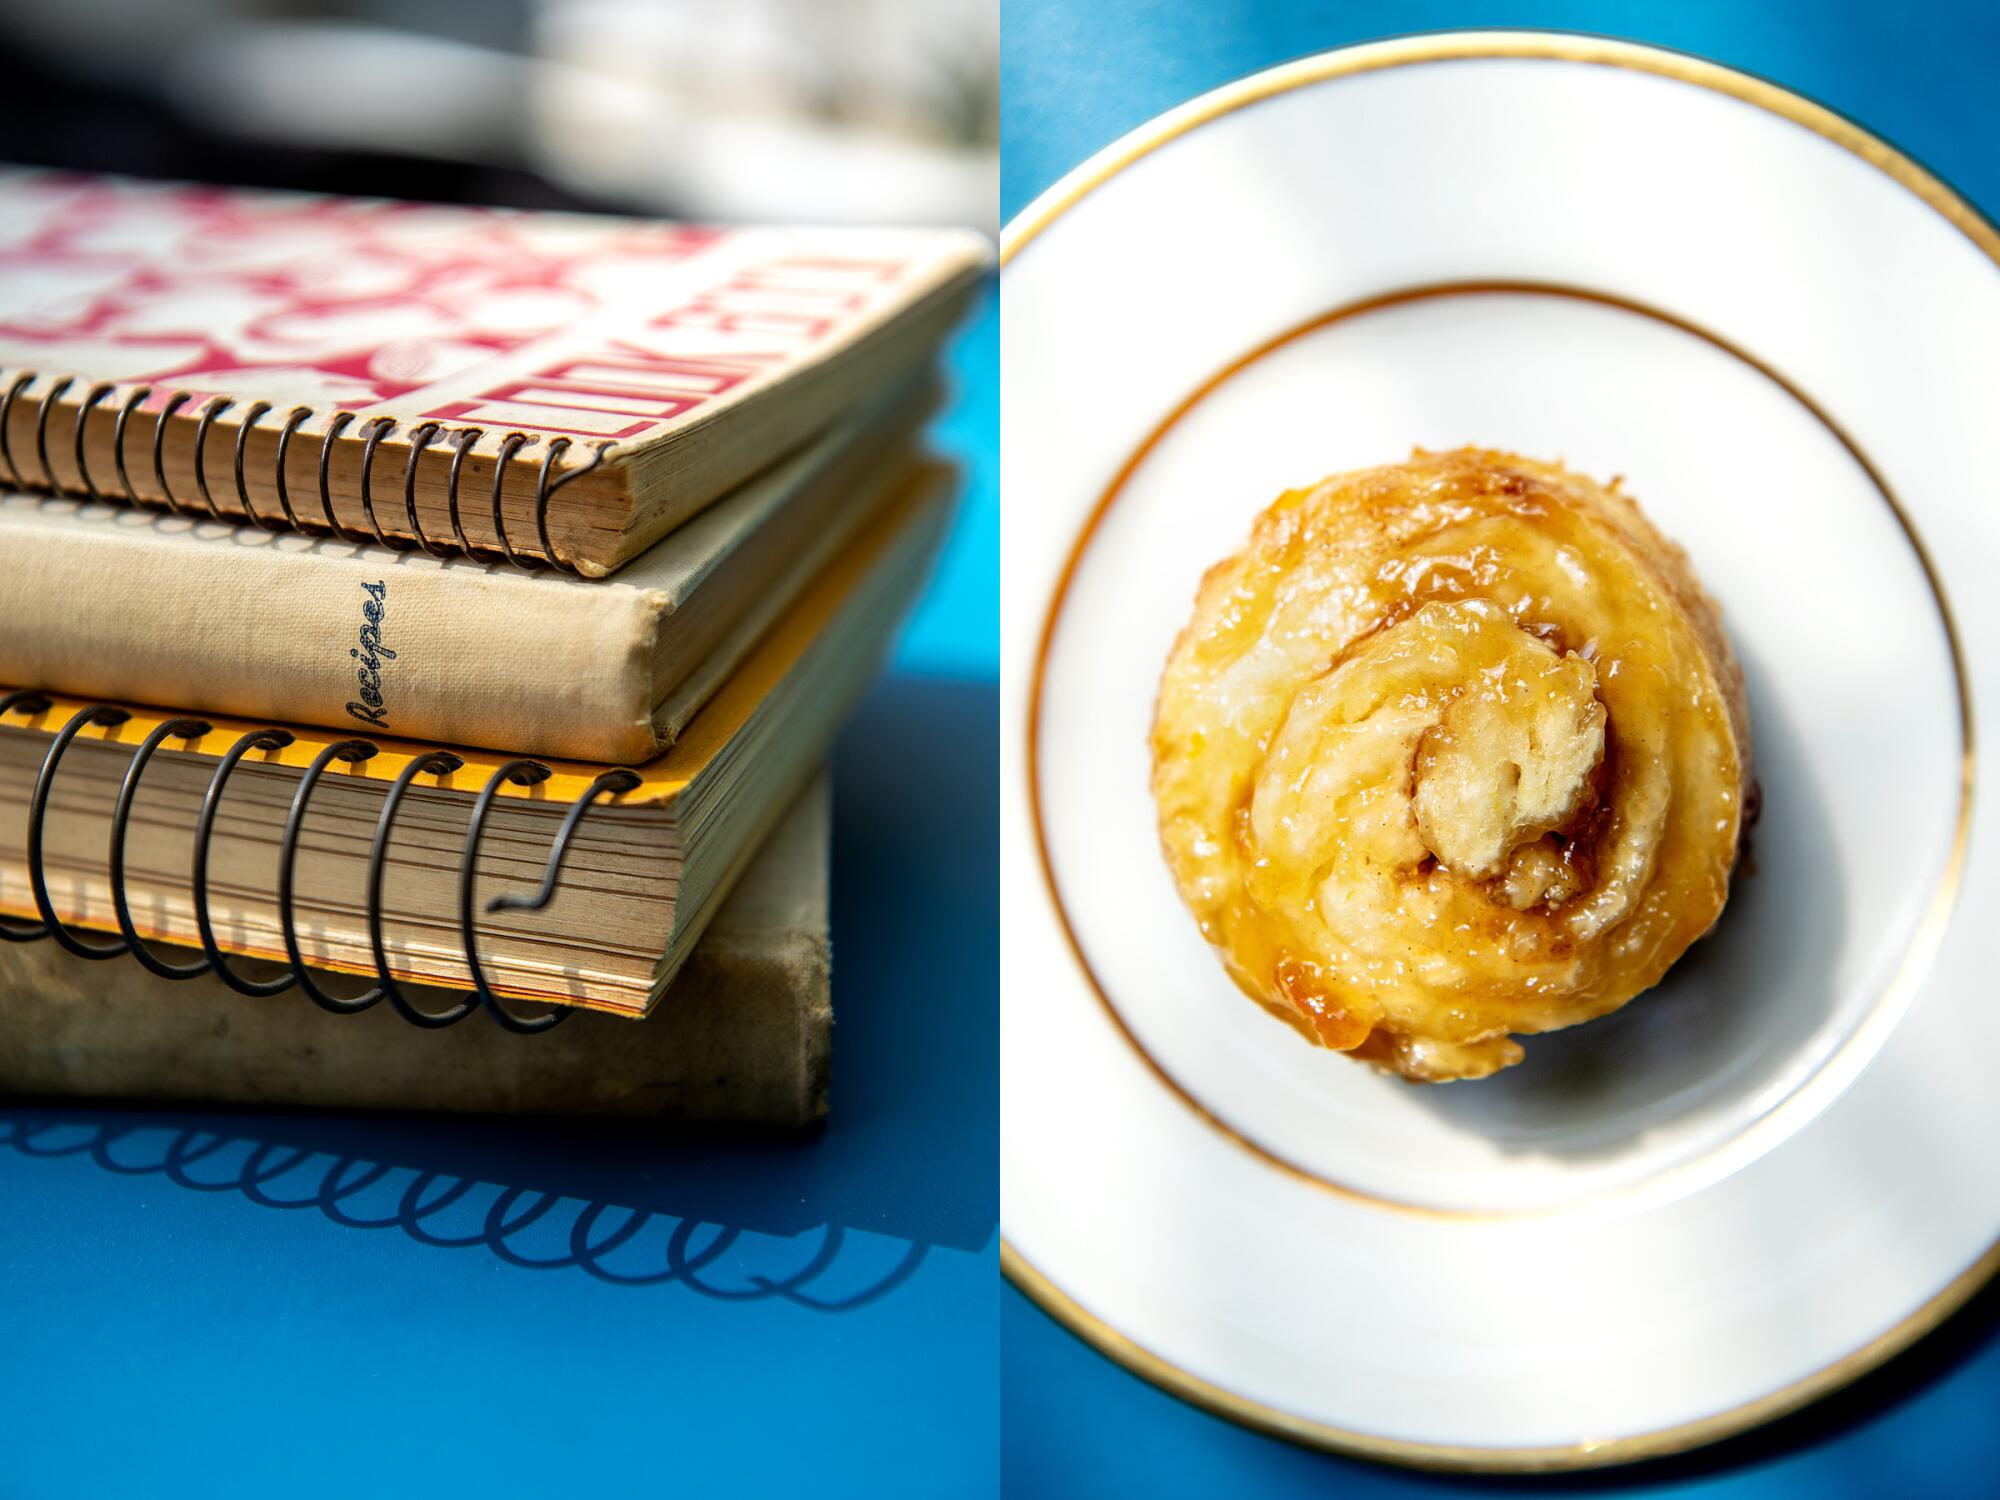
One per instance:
(802,110)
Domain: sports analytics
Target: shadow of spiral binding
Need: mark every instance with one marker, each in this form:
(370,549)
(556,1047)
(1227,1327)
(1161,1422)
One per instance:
(605,1241)
(436,763)
(406,534)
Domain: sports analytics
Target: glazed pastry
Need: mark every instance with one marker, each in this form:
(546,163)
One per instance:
(1451,751)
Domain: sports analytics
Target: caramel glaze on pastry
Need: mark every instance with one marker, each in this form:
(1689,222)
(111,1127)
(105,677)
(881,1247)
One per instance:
(1452,750)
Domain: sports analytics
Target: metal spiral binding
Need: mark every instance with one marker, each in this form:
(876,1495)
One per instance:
(353,751)
(40,476)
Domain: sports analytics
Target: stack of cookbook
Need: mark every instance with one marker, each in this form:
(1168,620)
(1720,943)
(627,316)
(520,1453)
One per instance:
(430,612)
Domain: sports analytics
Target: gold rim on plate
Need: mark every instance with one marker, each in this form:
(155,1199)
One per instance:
(1371,57)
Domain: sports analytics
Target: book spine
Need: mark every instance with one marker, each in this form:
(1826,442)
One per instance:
(346,638)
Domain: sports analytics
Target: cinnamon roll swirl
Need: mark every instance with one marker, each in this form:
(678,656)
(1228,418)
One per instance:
(1452,751)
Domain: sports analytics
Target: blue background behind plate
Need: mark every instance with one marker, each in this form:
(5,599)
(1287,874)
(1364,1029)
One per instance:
(227,1303)
(1077,76)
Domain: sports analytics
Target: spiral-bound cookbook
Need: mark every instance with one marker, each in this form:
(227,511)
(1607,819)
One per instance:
(745,1037)
(544,389)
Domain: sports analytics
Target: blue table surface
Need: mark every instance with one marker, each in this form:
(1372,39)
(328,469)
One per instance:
(1077,76)
(231,1303)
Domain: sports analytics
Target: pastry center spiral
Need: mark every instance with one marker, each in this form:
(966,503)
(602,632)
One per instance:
(1462,736)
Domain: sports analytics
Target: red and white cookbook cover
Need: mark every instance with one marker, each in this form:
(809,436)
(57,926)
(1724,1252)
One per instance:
(613,334)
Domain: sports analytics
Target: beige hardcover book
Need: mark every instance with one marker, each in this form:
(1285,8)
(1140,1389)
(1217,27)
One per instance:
(214,617)
(648,863)
(743,1035)
(561,387)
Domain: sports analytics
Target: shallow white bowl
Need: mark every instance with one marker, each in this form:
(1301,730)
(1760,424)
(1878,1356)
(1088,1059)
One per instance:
(1758,1180)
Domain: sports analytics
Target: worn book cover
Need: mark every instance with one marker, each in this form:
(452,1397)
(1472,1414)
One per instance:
(316,630)
(741,1035)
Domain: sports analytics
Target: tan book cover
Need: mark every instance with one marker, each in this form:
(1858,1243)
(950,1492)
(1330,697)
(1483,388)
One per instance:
(557,387)
(742,1035)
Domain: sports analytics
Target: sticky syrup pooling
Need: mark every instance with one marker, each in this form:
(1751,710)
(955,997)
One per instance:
(1453,750)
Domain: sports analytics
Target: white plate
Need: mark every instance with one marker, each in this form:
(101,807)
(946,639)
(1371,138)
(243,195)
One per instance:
(1780,1167)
